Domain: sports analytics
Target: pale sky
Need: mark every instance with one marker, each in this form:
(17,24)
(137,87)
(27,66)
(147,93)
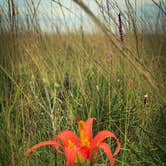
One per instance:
(51,14)
(52,11)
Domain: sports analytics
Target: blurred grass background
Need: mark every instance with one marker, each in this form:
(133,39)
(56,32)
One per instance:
(47,79)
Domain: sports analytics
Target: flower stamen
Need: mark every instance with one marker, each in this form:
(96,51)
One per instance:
(70,144)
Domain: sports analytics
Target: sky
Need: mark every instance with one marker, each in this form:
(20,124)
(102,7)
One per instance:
(80,18)
(52,16)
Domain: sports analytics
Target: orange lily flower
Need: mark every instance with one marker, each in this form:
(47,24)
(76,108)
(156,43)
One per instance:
(85,148)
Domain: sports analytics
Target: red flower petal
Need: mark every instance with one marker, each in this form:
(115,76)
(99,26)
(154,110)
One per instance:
(40,145)
(88,125)
(67,135)
(106,149)
(85,152)
(101,136)
(70,155)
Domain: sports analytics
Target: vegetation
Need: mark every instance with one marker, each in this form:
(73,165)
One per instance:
(49,79)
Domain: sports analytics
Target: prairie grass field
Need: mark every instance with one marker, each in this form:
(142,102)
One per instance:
(49,79)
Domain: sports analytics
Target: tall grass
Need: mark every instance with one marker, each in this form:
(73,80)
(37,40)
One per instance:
(48,79)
